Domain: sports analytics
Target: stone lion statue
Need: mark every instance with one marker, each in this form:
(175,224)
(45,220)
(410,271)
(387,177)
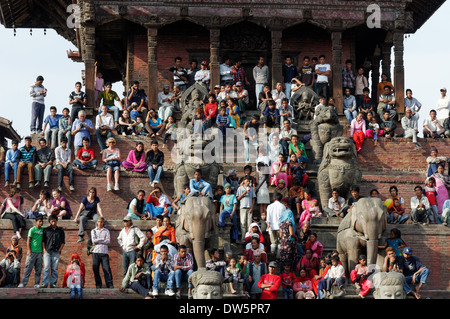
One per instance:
(338,169)
(324,127)
(304,101)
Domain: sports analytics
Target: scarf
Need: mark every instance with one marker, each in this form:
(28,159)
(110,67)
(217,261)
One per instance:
(287,215)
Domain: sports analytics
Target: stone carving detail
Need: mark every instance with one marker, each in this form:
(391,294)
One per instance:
(324,127)
(190,101)
(389,285)
(338,169)
(304,102)
(360,230)
(251,37)
(207,284)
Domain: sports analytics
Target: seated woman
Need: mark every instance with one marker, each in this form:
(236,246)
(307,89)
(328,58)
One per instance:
(158,203)
(126,124)
(303,286)
(310,263)
(234,112)
(255,247)
(315,246)
(42,206)
(89,209)
(136,207)
(358,131)
(296,170)
(198,122)
(434,161)
(310,207)
(153,123)
(393,194)
(442,185)
(295,196)
(254,229)
(60,206)
(278,170)
(13,211)
(111,158)
(136,159)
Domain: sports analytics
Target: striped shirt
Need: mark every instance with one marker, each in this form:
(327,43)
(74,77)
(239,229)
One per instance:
(186,263)
(100,238)
(223,119)
(28,155)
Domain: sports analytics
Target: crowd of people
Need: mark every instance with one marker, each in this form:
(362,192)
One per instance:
(273,229)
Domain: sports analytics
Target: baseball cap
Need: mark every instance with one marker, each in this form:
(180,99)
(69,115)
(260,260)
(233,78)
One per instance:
(166,86)
(273,264)
(239,84)
(232,172)
(204,63)
(227,185)
(133,104)
(126,218)
(217,86)
(407,250)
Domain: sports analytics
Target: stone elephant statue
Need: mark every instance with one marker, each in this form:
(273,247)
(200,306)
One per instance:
(195,228)
(360,230)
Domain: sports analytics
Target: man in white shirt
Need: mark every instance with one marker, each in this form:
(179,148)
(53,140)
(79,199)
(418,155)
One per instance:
(104,124)
(261,76)
(63,156)
(420,207)
(273,216)
(165,102)
(203,76)
(323,71)
(278,94)
(226,76)
(432,127)
(127,239)
(443,106)
(409,125)
(285,136)
(286,111)
(335,276)
(413,104)
(336,205)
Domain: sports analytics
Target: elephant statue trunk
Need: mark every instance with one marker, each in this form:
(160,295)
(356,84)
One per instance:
(372,251)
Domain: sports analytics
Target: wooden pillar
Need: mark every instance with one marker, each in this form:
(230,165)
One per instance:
(214,44)
(336,69)
(152,33)
(399,72)
(89,65)
(386,59)
(375,77)
(277,64)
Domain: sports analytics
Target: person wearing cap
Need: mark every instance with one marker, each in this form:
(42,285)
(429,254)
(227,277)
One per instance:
(44,163)
(128,241)
(270,282)
(27,159)
(12,161)
(155,162)
(443,105)
(165,102)
(108,97)
(261,76)
(233,180)
(78,100)
(101,239)
(38,94)
(242,98)
(203,75)
(416,273)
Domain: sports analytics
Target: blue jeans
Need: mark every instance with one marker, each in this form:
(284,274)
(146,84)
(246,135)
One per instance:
(421,277)
(128,257)
(234,229)
(98,135)
(158,276)
(88,165)
(154,178)
(434,214)
(51,261)
(288,85)
(350,115)
(259,87)
(37,116)
(182,275)
(247,143)
(8,169)
(155,211)
(288,293)
(76,291)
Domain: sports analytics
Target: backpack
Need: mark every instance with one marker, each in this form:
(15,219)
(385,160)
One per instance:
(89,246)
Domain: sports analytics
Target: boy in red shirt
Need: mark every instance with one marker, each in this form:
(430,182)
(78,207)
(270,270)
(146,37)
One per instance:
(287,281)
(85,156)
(431,193)
(211,111)
(269,283)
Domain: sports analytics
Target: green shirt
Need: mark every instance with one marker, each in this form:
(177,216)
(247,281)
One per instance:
(36,239)
(301,147)
(108,98)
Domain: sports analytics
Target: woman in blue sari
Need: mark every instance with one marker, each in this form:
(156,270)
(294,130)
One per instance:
(288,248)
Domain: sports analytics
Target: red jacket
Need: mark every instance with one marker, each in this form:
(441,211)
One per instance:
(268,279)
(82,268)
(211,110)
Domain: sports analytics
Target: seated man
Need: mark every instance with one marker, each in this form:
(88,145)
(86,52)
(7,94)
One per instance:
(387,102)
(366,105)
(163,272)
(387,125)
(415,272)
(278,94)
(409,125)
(242,98)
(165,103)
(65,126)
(11,267)
(63,156)
(44,163)
(349,105)
(286,111)
(432,127)
(199,187)
(271,114)
(298,148)
(81,127)
(52,120)
(336,205)
(215,264)
(85,157)
(420,207)
(286,135)
(12,161)
(104,124)
(136,95)
(158,203)
(138,278)
(447,126)
(155,162)
(27,159)
(183,265)
(109,96)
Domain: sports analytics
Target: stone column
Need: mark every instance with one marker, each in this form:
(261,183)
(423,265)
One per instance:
(375,77)
(89,65)
(277,63)
(214,44)
(152,33)
(336,69)
(386,51)
(399,72)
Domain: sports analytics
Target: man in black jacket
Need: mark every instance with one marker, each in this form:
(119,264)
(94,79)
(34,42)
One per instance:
(155,162)
(53,241)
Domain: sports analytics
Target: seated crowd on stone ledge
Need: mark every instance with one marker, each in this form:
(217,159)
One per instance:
(272,227)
